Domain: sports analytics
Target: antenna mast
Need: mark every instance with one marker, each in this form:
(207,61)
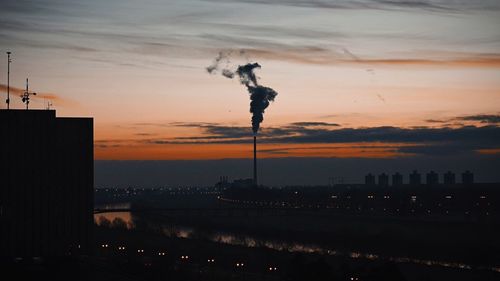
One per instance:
(26,95)
(8,79)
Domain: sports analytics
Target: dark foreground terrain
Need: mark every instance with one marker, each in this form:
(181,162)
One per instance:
(149,254)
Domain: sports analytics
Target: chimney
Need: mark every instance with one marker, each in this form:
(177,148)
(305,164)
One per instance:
(255,160)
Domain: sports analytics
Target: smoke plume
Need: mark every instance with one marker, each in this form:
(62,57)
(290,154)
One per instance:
(260,96)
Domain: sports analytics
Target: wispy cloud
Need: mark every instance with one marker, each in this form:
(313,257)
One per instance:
(314,124)
(483,118)
(430,5)
(490,119)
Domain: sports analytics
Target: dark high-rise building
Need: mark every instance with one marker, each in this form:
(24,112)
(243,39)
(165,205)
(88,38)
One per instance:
(415,178)
(370,179)
(46,184)
(467,177)
(449,178)
(432,178)
(383,179)
(397,179)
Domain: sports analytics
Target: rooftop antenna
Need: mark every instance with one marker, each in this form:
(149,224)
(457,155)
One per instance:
(49,104)
(26,95)
(8,79)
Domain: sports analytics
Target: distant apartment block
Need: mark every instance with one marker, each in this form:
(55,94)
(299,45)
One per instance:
(467,177)
(432,178)
(397,179)
(383,179)
(415,178)
(449,178)
(370,179)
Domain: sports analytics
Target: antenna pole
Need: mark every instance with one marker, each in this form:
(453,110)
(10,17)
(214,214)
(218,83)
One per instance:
(255,160)
(26,95)
(8,80)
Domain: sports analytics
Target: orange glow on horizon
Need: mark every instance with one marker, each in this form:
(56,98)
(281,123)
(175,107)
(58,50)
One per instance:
(224,151)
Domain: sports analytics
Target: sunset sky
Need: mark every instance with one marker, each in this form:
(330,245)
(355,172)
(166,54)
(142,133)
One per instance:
(356,79)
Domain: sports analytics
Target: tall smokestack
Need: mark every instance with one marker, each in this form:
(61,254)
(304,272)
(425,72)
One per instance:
(255,160)
(260,96)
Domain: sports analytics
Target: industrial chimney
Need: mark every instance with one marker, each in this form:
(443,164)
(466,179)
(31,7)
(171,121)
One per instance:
(255,160)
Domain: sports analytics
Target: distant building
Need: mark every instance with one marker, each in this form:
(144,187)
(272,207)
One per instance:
(397,179)
(383,179)
(239,183)
(415,178)
(432,178)
(467,177)
(223,182)
(47,184)
(370,179)
(449,178)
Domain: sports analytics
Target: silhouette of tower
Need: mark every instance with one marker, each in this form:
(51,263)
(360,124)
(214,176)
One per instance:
(397,179)
(467,177)
(449,178)
(383,180)
(415,178)
(255,161)
(432,178)
(370,179)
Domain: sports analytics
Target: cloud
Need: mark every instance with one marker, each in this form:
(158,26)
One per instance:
(415,140)
(314,124)
(447,6)
(482,118)
(491,119)
(330,56)
(435,121)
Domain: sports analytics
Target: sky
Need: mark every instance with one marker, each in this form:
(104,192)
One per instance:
(364,79)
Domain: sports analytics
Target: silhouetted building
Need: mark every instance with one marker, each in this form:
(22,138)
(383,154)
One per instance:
(432,178)
(383,179)
(46,188)
(397,179)
(370,179)
(223,182)
(467,177)
(415,178)
(449,178)
(243,183)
